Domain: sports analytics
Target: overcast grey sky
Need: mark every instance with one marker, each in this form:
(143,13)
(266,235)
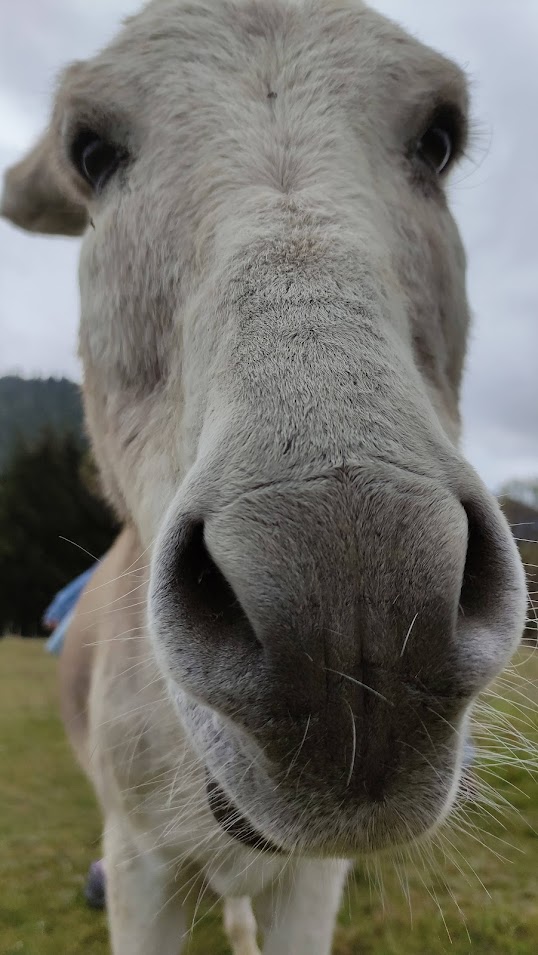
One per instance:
(494,197)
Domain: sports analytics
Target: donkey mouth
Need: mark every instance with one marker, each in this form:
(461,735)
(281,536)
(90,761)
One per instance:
(232,822)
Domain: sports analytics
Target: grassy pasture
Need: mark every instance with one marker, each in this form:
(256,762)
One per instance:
(49,833)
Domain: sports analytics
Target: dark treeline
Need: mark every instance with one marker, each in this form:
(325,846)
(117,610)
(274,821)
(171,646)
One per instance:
(522,515)
(28,405)
(47,493)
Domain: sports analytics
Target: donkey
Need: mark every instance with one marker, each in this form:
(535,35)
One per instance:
(274,670)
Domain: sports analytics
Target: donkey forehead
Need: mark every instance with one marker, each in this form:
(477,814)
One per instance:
(236,49)
(221,167)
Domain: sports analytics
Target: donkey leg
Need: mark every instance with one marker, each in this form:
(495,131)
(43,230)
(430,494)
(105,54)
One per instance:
(240,926)
(298,913)
(145,916)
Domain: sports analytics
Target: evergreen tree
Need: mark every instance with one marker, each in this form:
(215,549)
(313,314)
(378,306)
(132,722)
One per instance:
(46,502)
(29,405)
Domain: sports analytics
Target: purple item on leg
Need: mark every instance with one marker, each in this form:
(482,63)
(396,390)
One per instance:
(95,888)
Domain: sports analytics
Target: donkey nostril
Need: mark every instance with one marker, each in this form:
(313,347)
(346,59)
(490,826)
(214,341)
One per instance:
(209,588)
(205,594)
(475,574)
(488,566)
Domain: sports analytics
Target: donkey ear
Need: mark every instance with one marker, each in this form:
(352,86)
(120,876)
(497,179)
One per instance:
(33,197)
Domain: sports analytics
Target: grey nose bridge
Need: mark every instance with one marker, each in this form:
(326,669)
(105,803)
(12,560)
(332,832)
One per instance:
(319,362)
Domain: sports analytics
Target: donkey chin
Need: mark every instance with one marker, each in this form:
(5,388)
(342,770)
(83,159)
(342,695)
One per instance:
(295,809)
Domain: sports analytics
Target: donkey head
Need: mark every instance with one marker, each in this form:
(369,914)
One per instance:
(273,327)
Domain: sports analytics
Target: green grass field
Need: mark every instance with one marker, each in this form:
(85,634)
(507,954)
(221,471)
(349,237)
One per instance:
(49,833)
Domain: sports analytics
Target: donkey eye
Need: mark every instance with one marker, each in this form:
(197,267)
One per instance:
(443,139)
(95,159)
(436,148)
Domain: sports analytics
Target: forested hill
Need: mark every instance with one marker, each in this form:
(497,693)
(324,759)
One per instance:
(28,406)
